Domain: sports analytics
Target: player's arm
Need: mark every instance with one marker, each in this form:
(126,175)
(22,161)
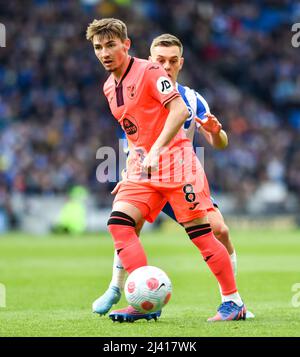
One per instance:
(178,113)
(212,130)
(209,125)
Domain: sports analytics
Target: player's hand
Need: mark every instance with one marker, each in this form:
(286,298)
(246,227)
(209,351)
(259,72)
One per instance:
(116,188)
(151,161)
(211,124)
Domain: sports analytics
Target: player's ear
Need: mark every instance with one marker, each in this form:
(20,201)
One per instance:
(127,44)
(150,59)
(181,62)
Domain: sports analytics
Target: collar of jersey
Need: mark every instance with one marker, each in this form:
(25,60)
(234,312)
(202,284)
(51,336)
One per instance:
(126,72)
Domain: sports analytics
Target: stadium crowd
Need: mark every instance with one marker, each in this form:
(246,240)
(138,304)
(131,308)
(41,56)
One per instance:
(238,55)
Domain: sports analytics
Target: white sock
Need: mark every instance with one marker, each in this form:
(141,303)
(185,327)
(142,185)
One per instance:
(233,259)
(233,297)
(118,273)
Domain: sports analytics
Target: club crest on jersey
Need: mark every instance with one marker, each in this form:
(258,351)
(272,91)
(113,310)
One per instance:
(130,127)
(131,91)
(188,121)
(164,85)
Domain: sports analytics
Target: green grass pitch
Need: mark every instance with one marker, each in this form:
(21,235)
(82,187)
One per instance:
(51,282)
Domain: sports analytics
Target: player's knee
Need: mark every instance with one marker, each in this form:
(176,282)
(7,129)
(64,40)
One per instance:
(195,222)
(197,231)
(119,220)
(221,232)
(122,229)
(139,227)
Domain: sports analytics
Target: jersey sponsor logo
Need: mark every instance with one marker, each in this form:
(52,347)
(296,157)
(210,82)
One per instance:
(131,91)
(164,85)
(130,127)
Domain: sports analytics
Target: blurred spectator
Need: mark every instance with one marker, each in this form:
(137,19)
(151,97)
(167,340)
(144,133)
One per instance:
(73,215)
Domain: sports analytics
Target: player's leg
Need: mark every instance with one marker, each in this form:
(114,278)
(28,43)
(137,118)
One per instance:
(131,254)
(218,226)
(221,232)
(119,273)
(121,226)
(113,294)
(131,314)
(127,243)
(190,202)
(217,258)
(139,226)
(125,222)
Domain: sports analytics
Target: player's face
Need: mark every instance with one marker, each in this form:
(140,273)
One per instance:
(111,52)
(170,58)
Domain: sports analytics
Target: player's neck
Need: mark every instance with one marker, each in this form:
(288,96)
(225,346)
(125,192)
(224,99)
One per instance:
(118,74)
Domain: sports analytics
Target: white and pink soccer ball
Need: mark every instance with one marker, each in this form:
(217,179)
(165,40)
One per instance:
(148,289)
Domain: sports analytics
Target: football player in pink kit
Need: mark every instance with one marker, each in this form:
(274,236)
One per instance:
(167,50)
(148,107)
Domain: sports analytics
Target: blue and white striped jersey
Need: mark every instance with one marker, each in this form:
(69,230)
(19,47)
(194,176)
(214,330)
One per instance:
(197,107)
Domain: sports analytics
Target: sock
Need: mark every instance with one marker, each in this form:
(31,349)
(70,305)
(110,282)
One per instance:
(127,244)
(118,273)
(233,297)
(233,259)
(215,256)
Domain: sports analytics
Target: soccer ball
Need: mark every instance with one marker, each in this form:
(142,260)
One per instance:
(148,289)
